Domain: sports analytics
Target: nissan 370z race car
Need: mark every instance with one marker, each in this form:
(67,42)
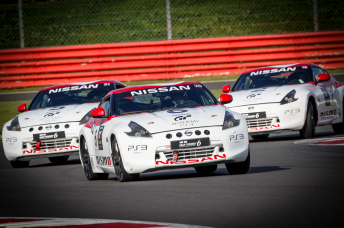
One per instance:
(51,124)
(163,126)
(288,97)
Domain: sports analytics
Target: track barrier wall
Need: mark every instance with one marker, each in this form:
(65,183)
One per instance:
(169,59)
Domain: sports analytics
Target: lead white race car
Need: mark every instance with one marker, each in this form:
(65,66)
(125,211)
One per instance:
(295,97)
(163,126)
(50,126)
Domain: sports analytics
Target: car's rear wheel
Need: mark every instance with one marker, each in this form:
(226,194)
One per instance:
(117,161)
(308,130)
(260,137)
(86,161)
(19,164)
(206,169)
(59,160)
(239,167)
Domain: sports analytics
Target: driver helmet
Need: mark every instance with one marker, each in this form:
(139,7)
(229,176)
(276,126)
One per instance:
(177,97)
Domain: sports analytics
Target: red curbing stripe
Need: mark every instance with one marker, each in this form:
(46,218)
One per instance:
(108,225)
(331,142)
(11,220)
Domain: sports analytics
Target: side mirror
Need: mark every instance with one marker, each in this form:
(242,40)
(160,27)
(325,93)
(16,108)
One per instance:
(98,112)
(226,89)
(22,108)
(226,98)
(323,77)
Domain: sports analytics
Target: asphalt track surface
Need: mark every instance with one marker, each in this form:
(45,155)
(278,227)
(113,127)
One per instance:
(288,185)
(210,85)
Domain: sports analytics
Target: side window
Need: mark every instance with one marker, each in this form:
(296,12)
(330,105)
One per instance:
(316,72)
(106,106)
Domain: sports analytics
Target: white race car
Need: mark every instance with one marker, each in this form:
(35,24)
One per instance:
(288,97)
(163,126)
(51,124)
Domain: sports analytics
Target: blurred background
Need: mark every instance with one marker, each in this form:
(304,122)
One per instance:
(68,22)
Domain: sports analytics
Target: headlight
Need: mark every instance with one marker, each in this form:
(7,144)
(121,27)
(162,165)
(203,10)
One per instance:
(229,121)
(86,118)
(14,125)
(137,130)
(289,98)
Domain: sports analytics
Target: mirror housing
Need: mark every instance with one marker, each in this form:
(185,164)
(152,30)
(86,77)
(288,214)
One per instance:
(226,88)
(22,108)
(98,112)
(323,77)
(226,98)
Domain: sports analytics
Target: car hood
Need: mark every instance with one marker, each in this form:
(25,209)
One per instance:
(169,120)
(58,114)
(265,95)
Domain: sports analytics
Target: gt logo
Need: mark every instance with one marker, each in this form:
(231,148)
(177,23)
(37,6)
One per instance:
(236,137)
(137,147)
(179,118)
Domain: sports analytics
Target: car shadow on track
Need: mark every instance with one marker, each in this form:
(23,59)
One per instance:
(289,137)
(183,174)
(69,162)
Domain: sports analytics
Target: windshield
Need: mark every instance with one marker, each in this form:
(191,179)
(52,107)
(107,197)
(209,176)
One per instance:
(273,77)
(69,95)
(159,98)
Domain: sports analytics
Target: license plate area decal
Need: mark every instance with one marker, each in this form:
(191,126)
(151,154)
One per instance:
(189,143)
(254,115)
(49,135)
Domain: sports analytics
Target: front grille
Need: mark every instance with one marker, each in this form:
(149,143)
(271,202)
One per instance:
(53,144)
(191,153)
(259,123)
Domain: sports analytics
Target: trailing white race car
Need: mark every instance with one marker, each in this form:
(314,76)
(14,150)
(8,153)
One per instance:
(51,124)
(163,126)
(288,97)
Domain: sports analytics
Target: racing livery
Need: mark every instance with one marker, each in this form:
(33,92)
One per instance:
(288,97)
(163,126)
(49,127)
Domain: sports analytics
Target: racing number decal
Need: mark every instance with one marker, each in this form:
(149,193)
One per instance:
(329,96)
(98,138)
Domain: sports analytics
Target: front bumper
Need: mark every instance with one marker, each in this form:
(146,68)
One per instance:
(278,117)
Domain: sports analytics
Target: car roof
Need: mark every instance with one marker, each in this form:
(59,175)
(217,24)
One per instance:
(131,88)
(281,66)
(82,83)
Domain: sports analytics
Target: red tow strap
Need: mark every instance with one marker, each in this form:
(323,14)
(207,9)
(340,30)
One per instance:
(38,144)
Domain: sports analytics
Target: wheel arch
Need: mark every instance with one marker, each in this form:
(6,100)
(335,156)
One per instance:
(315,108)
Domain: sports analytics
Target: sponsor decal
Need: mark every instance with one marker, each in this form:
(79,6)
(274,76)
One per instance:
(177,111)
(198,86)
(48,127)
(137,147)
(50,150)
(11,140)
(71,88)
(250,108)
(53,111)
(189,143)
(285,69)
(264,128)
(190,161)
(328,114)
(292,111)
(50,135)
(182,117)
(102,160)
(160,90)
(304,67)
(236,137)
(253,95)
(254,115)
(188,133)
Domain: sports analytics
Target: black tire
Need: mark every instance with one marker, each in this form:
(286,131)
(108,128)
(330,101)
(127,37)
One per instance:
(206,169)
(19,164)
(239,167)
(338,128)
(260,137)
(59,160)
(121,173)
(86,161)
(308,130)
(102,176)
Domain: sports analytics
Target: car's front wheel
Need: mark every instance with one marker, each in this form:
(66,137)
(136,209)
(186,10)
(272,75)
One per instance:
(19,164)
(239,167)
(206,169)
(308,130)
(59,160)
(86,161)
(117,161)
